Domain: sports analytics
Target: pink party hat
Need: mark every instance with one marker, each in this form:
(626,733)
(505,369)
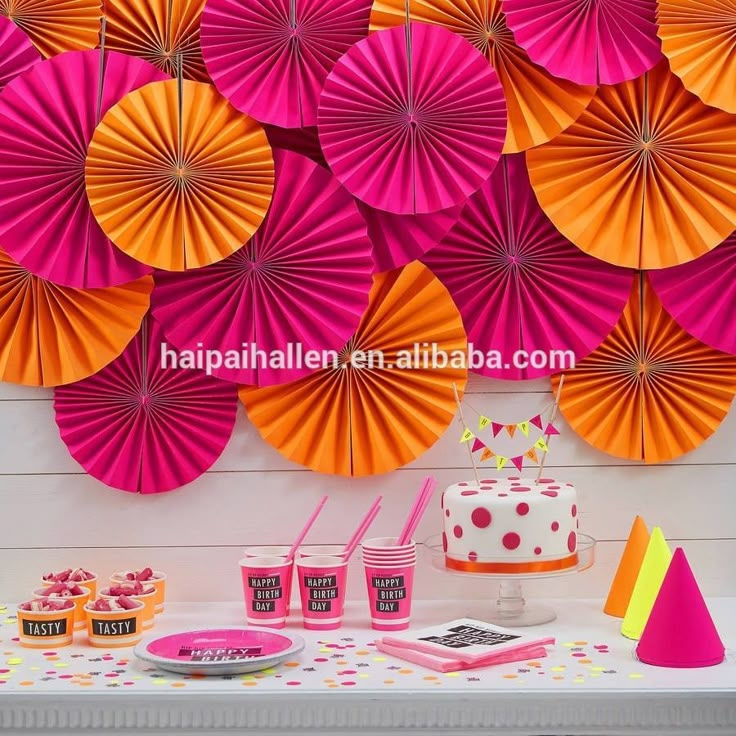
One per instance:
(680,631)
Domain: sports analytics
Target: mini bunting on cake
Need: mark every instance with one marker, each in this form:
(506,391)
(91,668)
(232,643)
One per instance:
(511,429)
(487,454)
(483,422)
(518,462)
(532,455)
(477,445)
(541,444)
(496,428)
(466,436)
(536,421)
(551,430)
(524,428)
(501,462)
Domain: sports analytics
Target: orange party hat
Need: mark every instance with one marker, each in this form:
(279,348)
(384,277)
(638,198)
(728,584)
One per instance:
(680,631)
(628,570)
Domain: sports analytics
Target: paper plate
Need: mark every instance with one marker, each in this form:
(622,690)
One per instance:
(232,651)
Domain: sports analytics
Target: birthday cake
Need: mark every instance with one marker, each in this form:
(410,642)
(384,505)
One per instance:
(512,525)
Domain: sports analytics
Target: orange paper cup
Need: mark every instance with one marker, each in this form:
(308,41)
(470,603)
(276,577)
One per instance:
(91,584)
(79,601)
(46,629)
(158,583)
(147,599)
(115,629)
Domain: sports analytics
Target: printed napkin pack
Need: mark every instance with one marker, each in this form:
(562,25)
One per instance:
(464,644)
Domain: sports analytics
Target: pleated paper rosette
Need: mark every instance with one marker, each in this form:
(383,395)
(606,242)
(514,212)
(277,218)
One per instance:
(140,427)
(47,118)
(299,140)
(651,392)
(163,32)
(601,42)
(405,131)
(52,335)
(17,53)
(646,177)
(520,285)
(539,105)
(54,26)
(701,295)
(270,58)
(301,283)
(176,177)
(698,40)
(360,418)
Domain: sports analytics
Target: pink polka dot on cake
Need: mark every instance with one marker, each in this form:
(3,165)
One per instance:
(447,512)
(511,540)
(574,510)
(555,526)
(462,484)
(444,542)
(472,556)
(457,531)
(521,489)
(537,550)
(468,493)
(514,477)
(551,494)
(503,495)
(546,480)
(489,480)
(553,488)
(522,509)
(481,517)
(572,541)
(442,500)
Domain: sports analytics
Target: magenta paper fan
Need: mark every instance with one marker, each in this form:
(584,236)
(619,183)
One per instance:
(299,140)
(701,295)
(303,281)
(588,42)
(142,427)
(17,53)
(520,285)
(47,118)
(270,58)
(412,122)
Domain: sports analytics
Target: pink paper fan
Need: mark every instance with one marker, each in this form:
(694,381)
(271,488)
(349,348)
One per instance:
(400,239)
(17,53)
(302,280)
(412,122)
(47,118)
(299,140)
(140,427)
(270,58)
(601,42)
(701,295)
(520,285)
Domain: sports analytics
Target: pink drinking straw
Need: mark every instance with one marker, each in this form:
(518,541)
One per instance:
(303,533)
(359,533)
(417,510)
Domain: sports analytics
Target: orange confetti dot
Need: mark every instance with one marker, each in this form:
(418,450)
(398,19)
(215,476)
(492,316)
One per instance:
(585,661)
(26,683)
(406,672)
(333,686)
(431,677)
(178,684)
(580,643)
(87,683)
(329,679)
(557,677)
(291,664)
(389,682)
(510,677)
(342,661)
(250,683)
(362,652)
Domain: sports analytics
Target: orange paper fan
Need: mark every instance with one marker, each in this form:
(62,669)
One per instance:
(539,105)
(698,38)
(650,392)
(179,180)
(159,31)
(352,420)
(53,335)
(56,25)
(646,177)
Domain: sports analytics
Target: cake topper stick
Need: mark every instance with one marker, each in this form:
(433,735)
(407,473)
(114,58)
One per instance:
(465,427)
(552,417)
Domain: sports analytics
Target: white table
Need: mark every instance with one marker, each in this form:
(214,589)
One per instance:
(341,685)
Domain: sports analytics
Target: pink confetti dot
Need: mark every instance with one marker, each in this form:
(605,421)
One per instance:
(2,682)
(332,646)
(49,654)
(511,540)
(481,517)
(458,531)
(579,654)
(2,672)
(522,509)
(447,512)
(348,672)
(51,672)
(574,510)
(293,683)
(551,494)
(503,495)
(472,556)
(321,659)
(444,542)
(111,674)
(348,683)
(572,541)
(600,646)
(108,658)
(65,677)
(537,550)
(128,683)
(555,526)
(468,493)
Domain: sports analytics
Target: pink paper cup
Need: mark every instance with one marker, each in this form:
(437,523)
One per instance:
(272,550)
(322,583)
(387,545)
(266,590)
(389,595)
(321,550)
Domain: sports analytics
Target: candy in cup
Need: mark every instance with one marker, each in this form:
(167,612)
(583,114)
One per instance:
(70,575)
(45,623)
(78,594)
(138,591)
(115,622)
(147,575)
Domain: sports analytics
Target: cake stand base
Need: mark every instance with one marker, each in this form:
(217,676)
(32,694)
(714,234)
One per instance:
(512,610)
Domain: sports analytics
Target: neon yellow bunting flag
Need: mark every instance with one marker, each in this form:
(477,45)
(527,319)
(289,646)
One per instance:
(483,422)
(467,436)
(501,462)
(524,427)
(541,444)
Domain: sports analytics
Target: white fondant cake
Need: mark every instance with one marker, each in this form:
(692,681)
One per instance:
(510,522)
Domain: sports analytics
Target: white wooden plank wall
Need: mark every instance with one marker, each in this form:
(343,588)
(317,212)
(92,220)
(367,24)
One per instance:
(52,515)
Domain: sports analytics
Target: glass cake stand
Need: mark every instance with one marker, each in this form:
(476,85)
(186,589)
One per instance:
(511,608)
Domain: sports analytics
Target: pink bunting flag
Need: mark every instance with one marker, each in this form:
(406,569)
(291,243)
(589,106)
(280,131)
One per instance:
(477,445)
(551,430)
(536,421)
(496,427)
(518,462)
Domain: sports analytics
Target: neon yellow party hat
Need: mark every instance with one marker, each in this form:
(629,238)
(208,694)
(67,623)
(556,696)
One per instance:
(653,569)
